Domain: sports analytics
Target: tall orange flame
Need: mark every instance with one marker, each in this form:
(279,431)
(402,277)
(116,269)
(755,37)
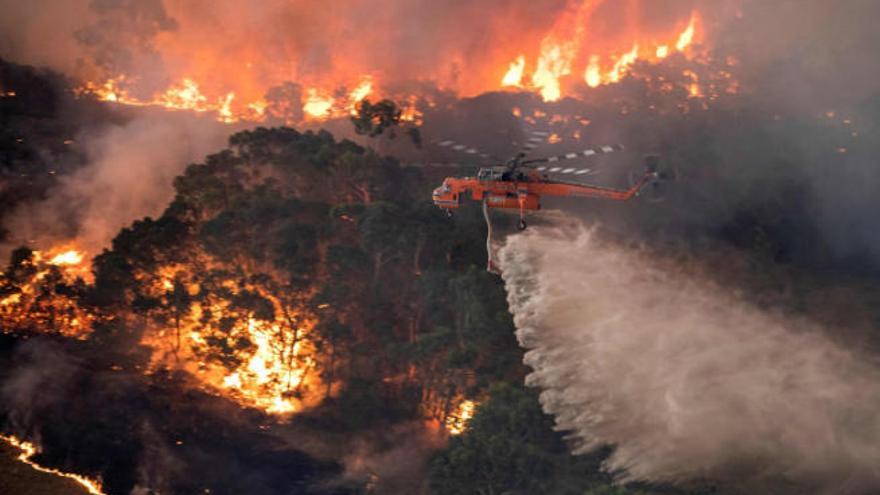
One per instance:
(540,61)
(553,64)
(686,38)
(514,74)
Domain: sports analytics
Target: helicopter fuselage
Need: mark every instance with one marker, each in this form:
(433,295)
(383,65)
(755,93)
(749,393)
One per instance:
(518,189)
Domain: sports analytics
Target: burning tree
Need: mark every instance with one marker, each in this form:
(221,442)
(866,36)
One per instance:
(275,292)
(43,296)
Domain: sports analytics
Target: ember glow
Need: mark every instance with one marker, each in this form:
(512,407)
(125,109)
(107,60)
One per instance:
(29,450)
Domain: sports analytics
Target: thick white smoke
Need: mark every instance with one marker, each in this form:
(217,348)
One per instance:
(686,379)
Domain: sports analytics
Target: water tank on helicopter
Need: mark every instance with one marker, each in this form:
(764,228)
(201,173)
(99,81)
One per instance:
(511,201)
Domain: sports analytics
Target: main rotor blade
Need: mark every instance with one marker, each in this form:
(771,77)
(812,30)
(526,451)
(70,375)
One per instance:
(536,139)
(601,150)
(568,170)
(463,148)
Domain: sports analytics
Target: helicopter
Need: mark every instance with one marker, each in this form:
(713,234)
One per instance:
(520,183)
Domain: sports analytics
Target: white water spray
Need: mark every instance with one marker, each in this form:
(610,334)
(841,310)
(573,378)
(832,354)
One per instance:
(685,379)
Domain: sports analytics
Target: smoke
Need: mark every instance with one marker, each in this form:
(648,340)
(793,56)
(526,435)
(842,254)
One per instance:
(686,378)
(157,465)
(121,38)
(129,175)
(392,461)
(45,373)
(41,33)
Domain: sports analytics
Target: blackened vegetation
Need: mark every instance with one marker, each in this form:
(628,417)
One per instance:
(158,434)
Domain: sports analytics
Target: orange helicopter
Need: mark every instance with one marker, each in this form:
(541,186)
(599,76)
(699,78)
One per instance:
(520,184)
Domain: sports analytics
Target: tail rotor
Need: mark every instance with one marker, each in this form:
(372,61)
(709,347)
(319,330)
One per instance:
(660,175)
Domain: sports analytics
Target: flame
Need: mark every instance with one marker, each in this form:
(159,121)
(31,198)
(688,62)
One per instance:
(35,301)
(29,450)
(694,90)
(10,300)
(263,363)
(593,76)
(110,90)
(258,109)
(410,111)
(554,63)
(267,363)
(623,63)
(224,113)
(266,369)
(234,82)
(69,257)
(362,90)
(457,422)
(687,36)
(318,105)
(514,74)
(184,97)
(359,93)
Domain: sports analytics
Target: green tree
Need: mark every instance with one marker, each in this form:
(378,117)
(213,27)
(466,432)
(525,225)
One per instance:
(373,119)
(510,448)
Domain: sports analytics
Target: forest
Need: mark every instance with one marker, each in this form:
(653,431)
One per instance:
(301,318)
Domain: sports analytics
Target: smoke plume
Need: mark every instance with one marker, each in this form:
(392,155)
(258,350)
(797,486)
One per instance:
(129,175)
(684,377)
